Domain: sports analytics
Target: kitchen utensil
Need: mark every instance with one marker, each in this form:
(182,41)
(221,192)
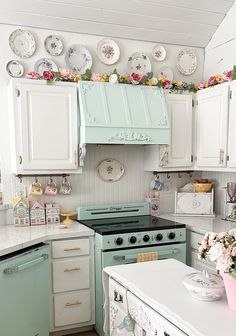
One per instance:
(108,51)
(45,64)
(231,190)
(139,63)
(156,184)
(186,61)
(65,187)
(110,170)
(51,188)
(166,72)
(15,69)
(202,187)
(36,188)
(22,43)
(204,286)
(78,59)
(68,220)
(159,53)
(53,45)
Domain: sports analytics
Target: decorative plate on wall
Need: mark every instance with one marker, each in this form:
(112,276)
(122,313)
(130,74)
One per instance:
(139,63)
(110,170)
(22,43)
(159,53)
(45,64)
(15,69)
(108,51)
(53,45)
(78,59)
(165,72)
(186,61)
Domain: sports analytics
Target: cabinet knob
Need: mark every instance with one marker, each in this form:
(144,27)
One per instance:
(221,161)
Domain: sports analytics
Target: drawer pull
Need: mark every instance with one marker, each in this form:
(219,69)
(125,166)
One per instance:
(71,269)
(69,304)
(72,249)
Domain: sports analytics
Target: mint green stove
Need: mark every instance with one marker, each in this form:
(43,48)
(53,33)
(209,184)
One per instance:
(122,231)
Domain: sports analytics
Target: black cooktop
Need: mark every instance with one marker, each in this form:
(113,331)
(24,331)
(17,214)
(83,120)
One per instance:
(106,226)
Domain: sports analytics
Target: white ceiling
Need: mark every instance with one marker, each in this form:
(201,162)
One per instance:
(184,22)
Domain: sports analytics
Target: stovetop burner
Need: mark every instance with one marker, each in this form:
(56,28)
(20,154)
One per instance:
(107,226)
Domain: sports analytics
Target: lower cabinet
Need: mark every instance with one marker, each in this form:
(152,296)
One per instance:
(72,297)
(193,240)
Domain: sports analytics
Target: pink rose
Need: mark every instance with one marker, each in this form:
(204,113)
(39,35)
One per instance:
(201,86)
(166,84)
(228,75)
(135,78)
(48,75)
(96,77)
(33,75)
(65,73)
(212,80)
(221,235)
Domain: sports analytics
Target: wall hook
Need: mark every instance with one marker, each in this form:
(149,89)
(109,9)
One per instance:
(179,175)
(168,175)
(190,174)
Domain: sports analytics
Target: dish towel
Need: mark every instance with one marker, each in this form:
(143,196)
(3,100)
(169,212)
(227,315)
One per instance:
(148,256)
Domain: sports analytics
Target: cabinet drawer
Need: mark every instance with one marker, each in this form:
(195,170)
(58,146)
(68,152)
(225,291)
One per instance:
(71,274)
(70,248)
(72,308)
(196,239)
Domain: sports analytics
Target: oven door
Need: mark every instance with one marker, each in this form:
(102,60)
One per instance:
(129,256)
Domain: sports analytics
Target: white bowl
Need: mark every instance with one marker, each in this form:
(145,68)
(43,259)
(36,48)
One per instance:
(204,286)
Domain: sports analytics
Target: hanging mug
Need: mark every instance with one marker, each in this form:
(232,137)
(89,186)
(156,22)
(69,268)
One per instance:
(65,188)
(36,188)
(156,185)
(51,188)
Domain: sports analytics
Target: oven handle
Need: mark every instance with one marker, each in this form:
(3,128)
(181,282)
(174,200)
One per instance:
(133,257)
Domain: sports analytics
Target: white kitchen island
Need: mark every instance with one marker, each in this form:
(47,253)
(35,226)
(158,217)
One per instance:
(152,293)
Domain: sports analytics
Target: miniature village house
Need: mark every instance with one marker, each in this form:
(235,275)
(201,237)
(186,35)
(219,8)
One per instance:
(37,213)
(52,213)
(21,211)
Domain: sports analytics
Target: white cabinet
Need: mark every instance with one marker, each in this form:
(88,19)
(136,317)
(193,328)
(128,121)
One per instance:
(212,126)
(72,284)
(178,154)
(44,126)
(232,129)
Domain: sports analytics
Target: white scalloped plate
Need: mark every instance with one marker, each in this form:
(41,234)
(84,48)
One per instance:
(110,170)
(186,61)
(78,59)
(22,43)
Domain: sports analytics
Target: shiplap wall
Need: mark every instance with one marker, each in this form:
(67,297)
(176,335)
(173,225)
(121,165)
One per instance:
(221,50)
(186,22)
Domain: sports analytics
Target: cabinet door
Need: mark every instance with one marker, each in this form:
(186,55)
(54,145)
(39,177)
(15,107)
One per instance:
(48,126)
(232,132)
(180,116)
(211,127)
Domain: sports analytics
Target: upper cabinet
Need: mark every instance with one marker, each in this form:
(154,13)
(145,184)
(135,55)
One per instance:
(215,128)
(122,114)
(44,126)
(212,126)
(178,154)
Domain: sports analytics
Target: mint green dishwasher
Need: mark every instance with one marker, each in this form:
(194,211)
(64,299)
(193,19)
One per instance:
(24,292)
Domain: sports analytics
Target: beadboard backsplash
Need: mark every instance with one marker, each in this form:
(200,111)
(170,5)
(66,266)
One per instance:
(89,189)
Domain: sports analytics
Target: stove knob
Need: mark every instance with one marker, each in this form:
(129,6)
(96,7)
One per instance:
(171,235)
(146,238)
(159,237)
(133,240)
(119,241)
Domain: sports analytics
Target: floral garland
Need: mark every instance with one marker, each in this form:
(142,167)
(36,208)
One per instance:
(134,78)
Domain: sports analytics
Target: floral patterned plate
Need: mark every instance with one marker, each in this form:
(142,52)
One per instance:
(186,61)
(45,64)
(110,170)
(108,51)
(159,53)
(22,43)
(53,45)
(165,72)
(78,59)
(15,69)
(139,63)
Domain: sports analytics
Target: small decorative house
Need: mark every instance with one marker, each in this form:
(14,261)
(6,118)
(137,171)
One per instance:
(37,213)
(21,211)
(52,213)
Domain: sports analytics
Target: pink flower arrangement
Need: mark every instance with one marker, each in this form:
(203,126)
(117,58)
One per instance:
(96,77)
(66,74)
(220,248)
(135,78)
(48,75)
(33,75)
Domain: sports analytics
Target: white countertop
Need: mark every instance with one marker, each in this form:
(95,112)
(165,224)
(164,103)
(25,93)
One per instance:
(159,285)
(15,238)
(202,224)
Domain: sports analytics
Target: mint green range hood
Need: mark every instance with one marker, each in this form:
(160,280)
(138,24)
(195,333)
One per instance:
(122,114)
